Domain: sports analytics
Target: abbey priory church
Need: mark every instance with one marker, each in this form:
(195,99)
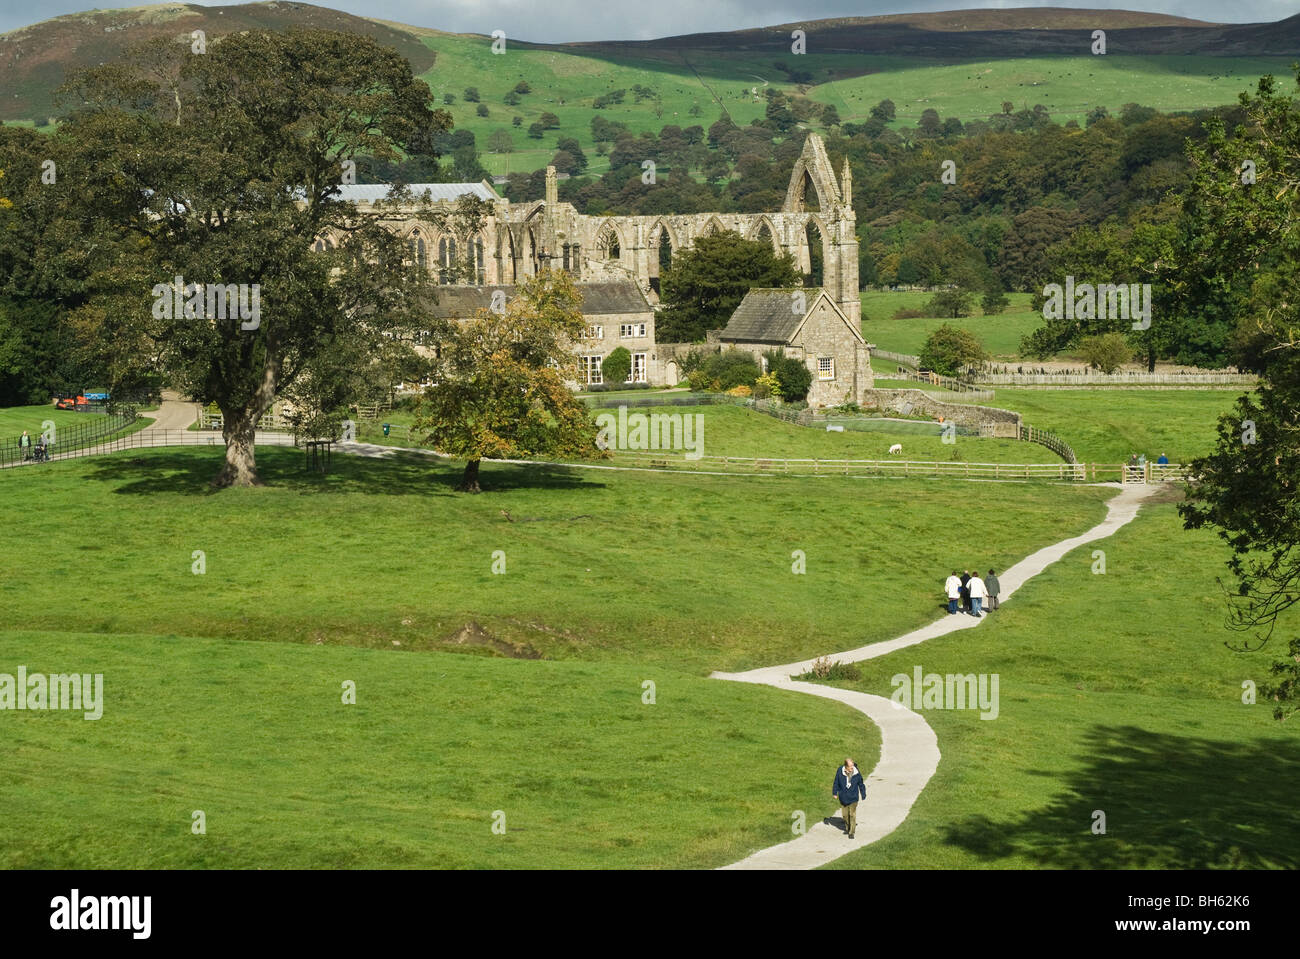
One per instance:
(616,262)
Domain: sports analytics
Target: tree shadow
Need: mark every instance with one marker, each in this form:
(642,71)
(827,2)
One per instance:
(189,472)
(1171,802)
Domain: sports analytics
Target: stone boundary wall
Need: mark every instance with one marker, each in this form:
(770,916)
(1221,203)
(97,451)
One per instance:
(988,419)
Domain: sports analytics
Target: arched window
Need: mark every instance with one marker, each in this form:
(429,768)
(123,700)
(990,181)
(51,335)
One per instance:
(319,246)
(477,261)
(446,259)
(608,244)
(419,253)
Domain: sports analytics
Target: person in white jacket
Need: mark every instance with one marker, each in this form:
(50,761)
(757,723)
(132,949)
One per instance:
(952,588)
(977,594)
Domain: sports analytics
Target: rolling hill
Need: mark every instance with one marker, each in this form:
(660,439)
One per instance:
(964,64)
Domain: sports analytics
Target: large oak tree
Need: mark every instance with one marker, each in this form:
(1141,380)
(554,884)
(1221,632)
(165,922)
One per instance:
(220,167)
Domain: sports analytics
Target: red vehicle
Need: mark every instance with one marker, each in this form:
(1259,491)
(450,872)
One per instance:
(78,403)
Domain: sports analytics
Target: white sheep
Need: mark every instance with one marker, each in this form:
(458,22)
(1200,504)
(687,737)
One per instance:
(896,448)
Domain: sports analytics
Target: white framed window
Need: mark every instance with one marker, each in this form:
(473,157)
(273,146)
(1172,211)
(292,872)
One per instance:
(631,330)
(825,367)
(638,368)
(596,332)
(589,370)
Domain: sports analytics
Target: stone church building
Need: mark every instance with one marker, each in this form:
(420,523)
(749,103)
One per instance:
(616,261)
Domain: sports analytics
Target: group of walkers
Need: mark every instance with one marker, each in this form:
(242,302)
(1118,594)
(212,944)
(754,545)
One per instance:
(966,593)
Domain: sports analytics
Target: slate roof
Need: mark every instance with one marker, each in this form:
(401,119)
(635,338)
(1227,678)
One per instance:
(614,297)
(764,316)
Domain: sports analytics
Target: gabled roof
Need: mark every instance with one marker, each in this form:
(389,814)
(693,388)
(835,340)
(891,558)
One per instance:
(613,297)
(370,192)
(765,316)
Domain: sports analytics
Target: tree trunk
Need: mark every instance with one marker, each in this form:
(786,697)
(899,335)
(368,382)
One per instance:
(1151,360)
(469,482)
(239,430)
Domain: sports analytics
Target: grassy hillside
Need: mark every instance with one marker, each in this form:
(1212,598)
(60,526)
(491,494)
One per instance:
(1000,333)
(962,63)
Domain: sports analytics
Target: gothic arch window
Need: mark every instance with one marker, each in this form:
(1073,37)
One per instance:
(478,263)
(608,244)
(419,251)
(814,268)
(446,259)
(319,246)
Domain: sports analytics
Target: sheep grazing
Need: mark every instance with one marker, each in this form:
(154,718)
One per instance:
(896,448)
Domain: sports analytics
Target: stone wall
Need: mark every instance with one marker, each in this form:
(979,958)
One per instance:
(989,419)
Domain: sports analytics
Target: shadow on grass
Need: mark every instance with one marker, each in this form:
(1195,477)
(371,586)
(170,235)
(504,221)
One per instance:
(1171,802)
(189,472)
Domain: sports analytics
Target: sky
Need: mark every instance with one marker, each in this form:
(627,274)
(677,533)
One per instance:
(554,21)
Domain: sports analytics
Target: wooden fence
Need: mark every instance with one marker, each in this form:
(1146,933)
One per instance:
(903,359)
(1050,440)
(1125,379)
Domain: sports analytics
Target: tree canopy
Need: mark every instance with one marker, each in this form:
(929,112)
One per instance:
(705,283)
(246,145)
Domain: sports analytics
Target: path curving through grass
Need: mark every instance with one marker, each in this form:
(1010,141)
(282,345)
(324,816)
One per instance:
(909,749)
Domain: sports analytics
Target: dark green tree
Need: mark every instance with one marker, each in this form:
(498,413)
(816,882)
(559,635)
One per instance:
(706,282)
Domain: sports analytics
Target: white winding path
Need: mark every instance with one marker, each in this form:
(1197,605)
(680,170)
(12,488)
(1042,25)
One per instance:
(909,750)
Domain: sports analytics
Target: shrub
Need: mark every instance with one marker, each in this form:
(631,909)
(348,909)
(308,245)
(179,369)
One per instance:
(617,367)
(730,369)
(698,381)
(767,386)
(692,360)
(824,668)
(741,390)
(794,378)
(1107,351)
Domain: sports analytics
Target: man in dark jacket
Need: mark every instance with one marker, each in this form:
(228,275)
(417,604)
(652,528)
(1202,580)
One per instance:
(992,587)
(965,591)
(848,788)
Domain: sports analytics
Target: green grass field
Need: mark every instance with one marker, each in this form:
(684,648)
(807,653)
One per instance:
(600,566)
(1106,426)
(1116,694)
(736,431)
(1000,333)
(223,688)
(257,737)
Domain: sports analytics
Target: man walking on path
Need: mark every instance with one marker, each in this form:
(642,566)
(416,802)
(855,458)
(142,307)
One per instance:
(25,443)
(952,589)
(992,587)
(965,591)
(977,594)
(848,788)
